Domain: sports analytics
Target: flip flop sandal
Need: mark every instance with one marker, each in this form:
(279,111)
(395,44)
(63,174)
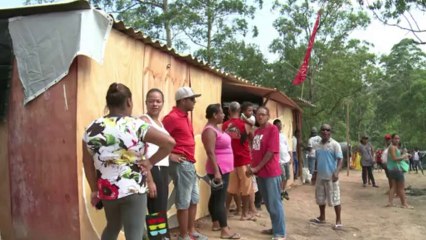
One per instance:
(317,221)
(233,236)
(215,229)
(407,207)
(251,218)
(338,227)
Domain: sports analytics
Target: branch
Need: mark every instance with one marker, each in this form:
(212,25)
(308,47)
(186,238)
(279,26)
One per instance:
(396,25)
(154,4)
(409,23)
(125,9)
(414,20)
(192,40)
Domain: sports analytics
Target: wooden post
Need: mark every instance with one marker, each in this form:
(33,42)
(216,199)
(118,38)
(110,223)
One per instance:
(347,139)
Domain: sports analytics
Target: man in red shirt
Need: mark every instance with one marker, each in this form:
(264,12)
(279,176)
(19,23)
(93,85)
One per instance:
(182,170)
(239,131)
(265,164)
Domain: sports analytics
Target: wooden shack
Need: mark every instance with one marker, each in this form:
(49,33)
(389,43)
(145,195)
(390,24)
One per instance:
(42,181)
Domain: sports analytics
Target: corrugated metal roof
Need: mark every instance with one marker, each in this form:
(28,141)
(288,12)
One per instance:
(120,26)
(303,102)
(44,8)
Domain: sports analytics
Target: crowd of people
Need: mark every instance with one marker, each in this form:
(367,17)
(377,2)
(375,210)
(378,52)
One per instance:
(129,160)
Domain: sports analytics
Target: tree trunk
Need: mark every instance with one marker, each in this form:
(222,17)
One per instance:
(209,30)
(167,23)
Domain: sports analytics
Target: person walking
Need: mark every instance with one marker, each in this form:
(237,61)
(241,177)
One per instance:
(114,163)
(396,172)
(367,161)
(218,166)
(182,169)
(417,164)
(326,176)
(158,179)
(265,164)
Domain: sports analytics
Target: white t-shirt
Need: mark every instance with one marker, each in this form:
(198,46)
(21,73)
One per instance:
(152,148)
(294,144)
(284,148)
(311,143)
(416,156)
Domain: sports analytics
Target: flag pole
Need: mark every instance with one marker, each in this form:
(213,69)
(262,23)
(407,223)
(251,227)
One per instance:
(347,139)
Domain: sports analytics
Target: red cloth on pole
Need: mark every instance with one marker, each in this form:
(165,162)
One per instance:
(303,70)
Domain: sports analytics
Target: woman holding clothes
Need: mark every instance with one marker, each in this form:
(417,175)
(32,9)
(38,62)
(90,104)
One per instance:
(114,163)
(158,179)
(396,174)
(219,164)
(266,165)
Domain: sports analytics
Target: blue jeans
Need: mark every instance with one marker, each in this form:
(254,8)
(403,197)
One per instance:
(295,165)
(311,164)
(270,188)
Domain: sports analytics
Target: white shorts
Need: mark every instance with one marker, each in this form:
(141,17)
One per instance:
(327,192)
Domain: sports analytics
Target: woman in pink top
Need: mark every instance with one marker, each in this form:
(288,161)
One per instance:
(219,164)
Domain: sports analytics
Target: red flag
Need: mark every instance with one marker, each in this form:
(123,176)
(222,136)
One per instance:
(303,70)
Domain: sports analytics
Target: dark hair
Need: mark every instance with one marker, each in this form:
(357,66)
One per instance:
(152,90)
(276,121)
(246,105)
(117,95)
(393,135)
(212,109)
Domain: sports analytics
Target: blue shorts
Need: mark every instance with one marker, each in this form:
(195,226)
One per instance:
(186,184)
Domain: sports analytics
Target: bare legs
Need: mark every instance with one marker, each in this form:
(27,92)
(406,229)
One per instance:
(337,210)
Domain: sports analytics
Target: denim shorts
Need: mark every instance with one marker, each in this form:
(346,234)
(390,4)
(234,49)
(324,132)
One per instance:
(186,184)
(396,174)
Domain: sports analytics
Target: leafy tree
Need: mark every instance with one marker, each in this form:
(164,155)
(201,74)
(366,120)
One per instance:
(401,92)
(340,70)
(206,24)
(244,60)
(214,23)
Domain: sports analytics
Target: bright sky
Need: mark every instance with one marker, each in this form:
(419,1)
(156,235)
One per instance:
(383,37)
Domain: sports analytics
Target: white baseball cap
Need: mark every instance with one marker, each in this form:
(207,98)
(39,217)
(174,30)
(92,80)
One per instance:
(185,92)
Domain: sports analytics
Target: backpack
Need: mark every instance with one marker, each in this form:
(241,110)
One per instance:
(384,156)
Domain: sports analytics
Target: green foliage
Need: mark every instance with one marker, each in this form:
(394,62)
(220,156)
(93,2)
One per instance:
(340,70)
(401,93)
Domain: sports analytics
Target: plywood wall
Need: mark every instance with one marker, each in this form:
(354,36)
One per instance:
(123,63)
(141,68)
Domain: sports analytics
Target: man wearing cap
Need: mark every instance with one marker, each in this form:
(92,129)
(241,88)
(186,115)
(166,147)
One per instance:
(313,140)
(182,170)
(367,161)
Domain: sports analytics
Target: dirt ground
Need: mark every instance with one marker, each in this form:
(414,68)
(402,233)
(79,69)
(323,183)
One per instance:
(364,214)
